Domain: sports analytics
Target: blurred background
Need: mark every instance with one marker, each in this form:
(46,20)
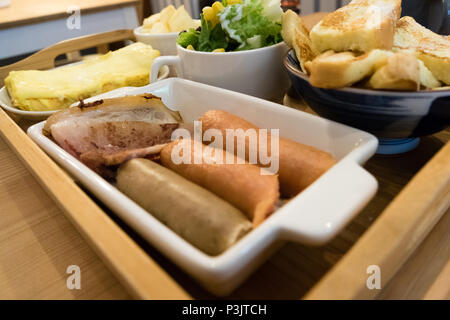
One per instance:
(27,26)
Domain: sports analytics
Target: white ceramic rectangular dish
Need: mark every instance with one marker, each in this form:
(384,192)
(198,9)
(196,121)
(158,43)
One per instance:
(313,217)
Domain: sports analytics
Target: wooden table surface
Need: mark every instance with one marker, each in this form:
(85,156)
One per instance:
(31,11)
(38,243)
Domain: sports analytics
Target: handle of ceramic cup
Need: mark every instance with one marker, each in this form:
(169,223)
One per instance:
(174,61)
(328,204)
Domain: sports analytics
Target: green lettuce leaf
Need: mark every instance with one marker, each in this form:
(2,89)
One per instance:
(211,38)
(252,24)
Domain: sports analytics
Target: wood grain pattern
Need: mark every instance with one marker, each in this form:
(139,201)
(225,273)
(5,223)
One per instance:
(430,264)
(38,243)
(441,286)
(31,11)
(289,274)
(312,19)
(394,235)
(143,278)
(45,58)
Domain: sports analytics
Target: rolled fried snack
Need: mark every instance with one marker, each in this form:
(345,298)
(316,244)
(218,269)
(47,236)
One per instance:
(197,215)
(242,185)
(299,164)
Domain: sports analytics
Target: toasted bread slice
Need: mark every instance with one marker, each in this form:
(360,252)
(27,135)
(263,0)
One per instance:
(427,79)
(401,72)
(362,25)
(296,36)
(441,88)
(431,48)
(336,70)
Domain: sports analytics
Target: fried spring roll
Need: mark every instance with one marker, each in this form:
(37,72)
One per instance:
(242,185)
(197,215)
(299,164)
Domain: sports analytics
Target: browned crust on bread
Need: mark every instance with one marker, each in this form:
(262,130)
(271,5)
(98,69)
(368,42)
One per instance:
(338,19)
(296,35)
(362,25)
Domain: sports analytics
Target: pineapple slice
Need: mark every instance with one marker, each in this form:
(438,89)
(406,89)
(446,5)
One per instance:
(181,20)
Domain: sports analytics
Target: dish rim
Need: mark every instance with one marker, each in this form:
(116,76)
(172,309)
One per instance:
(229,53)
(138,30)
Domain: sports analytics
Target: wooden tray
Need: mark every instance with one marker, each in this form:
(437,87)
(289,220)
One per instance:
(136,270)
(414,193)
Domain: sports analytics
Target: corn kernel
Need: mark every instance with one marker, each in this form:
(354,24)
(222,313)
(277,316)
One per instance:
(217,6)
(190,47)
(231,2)
(219,50)
(208,13)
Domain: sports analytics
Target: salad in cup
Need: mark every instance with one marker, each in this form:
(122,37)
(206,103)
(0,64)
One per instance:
(238,47)
(235,25)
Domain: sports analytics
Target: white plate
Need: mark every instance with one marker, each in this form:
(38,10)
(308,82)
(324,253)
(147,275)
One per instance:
(313,217)
(6,104)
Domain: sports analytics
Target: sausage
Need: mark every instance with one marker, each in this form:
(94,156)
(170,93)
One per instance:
(197,215)
(299,164)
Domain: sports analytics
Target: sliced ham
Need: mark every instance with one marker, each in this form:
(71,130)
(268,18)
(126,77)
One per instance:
(111,131)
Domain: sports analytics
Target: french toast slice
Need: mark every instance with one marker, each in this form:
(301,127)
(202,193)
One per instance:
(431,48)
(336,70)
(401,72)
(362,25)
(427,79)
(296,35)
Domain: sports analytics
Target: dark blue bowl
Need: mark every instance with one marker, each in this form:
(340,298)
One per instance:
(385,114)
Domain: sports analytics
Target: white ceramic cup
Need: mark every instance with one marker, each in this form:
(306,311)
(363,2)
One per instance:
(257,72)
(166,43)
